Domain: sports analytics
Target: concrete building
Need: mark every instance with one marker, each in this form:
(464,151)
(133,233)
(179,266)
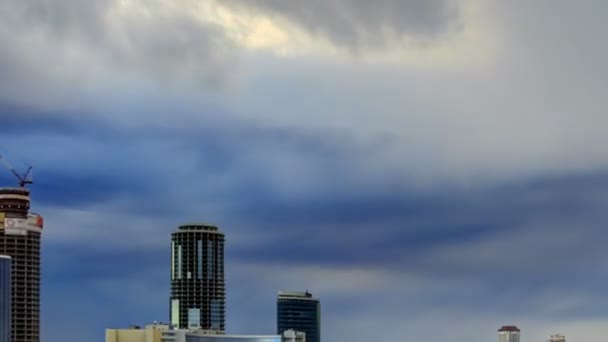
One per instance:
(508,333)
(150,333)
(173,335)
(193,337)
(197,278)
(299,311)
(557,338)
(201,336)
(5,298)
(20,233)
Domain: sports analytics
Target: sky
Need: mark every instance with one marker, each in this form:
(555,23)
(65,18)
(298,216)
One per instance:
(429,169)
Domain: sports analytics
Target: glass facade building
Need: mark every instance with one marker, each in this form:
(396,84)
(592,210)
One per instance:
(5,298)
(197,278)
(300,312)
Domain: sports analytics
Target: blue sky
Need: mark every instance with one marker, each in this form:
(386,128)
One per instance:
(431,168)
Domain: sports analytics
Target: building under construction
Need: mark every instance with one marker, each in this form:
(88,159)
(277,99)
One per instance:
(197,278)
(20,233)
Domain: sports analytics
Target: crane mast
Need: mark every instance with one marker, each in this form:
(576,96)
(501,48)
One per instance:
(23,179)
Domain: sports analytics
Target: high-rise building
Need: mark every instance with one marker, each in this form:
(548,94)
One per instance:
(20,233)
(5,298)
(299,311)
(508,333)
(197,278)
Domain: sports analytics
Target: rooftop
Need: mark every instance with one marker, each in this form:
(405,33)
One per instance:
(198,226)
(14,190)
(509,328)
(295,295)
(5,257)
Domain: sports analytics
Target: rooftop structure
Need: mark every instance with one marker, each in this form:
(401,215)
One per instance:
(508,333)
(557,338)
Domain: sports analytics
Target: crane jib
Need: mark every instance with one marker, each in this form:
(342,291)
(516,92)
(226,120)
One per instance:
(23,179)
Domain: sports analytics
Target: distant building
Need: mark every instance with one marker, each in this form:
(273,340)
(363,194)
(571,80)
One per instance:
(557,338)
(164,332)
(299,311)
(508,333)
(20,235)
(201,336)
(5,298)
(193,337)
(150,333)
(197,278)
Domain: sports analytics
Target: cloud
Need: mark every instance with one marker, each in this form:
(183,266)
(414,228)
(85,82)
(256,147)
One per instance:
(362,23)
(463,198)
(105,43)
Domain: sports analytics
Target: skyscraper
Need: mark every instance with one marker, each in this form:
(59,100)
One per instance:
(20,233)
(5,298)
(299,311)
(197,278)
(508,333)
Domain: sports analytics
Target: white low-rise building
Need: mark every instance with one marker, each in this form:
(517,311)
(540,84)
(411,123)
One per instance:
(206,336)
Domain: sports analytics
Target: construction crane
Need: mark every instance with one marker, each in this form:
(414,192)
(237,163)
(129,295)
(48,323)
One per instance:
(23,179)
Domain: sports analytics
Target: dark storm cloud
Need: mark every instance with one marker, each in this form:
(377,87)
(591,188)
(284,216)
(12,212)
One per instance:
(353,23)
(402,229)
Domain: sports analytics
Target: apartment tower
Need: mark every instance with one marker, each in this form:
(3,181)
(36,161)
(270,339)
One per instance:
(20,233)
(508,333)
(5,298)
(197,278)
(299,311)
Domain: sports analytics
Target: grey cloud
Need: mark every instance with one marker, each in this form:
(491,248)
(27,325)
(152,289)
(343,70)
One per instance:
(64,51)
(361,22)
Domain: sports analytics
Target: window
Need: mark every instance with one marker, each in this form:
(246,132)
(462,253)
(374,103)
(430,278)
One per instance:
(179,262)
(199,261)
(194,318)
(216,314)
(175,312)
(209,260)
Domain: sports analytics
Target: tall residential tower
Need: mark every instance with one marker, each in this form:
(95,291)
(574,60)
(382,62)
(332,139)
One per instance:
(299,311)
(20,233)
(197,278)
(508,333)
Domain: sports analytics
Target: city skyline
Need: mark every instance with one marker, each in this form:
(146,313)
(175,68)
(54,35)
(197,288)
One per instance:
(435,167)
